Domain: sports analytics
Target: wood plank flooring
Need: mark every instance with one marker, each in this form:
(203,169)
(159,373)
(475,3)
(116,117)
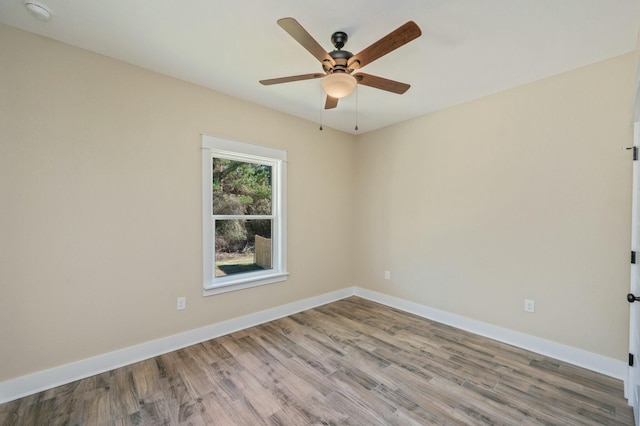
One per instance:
(352,362)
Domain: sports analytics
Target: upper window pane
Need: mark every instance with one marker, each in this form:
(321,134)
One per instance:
(240,188)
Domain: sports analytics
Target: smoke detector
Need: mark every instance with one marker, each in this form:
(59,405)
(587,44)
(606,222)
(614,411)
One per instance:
(38,10)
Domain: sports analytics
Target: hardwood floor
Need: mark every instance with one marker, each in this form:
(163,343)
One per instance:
(352,362)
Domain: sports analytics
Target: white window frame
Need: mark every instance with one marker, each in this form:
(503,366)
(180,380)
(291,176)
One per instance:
(241,151)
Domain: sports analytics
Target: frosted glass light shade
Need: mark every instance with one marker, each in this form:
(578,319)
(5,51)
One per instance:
(338,85)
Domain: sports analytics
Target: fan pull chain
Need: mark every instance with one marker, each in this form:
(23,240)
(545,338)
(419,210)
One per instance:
(356,128)
(320,85)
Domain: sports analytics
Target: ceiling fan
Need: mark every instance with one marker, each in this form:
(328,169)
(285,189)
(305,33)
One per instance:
(338,65)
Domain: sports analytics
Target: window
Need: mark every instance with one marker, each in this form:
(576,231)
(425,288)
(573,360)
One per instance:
(243,200)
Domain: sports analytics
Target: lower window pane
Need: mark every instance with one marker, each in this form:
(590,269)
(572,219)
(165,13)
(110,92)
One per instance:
(242,245)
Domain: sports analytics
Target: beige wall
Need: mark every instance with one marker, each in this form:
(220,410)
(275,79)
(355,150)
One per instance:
(522,194)
(100,217)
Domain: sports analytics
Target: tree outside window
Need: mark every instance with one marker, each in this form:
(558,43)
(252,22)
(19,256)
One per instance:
(241,189)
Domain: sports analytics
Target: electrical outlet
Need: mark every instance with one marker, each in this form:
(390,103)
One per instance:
(387,275)
(529,305)
(181,303)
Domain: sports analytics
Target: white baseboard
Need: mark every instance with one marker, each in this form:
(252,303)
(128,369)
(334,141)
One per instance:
(42,380)
(589,360)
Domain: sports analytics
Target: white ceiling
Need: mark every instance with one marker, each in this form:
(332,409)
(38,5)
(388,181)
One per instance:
(468,48)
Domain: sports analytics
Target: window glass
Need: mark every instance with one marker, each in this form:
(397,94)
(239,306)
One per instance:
(241,188)
(242,246)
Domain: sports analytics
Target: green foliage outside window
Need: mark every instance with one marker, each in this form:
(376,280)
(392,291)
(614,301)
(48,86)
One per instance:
(240,188)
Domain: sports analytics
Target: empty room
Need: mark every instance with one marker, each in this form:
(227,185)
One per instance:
(285,213)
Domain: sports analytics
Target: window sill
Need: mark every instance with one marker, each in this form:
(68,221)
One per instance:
(242,283)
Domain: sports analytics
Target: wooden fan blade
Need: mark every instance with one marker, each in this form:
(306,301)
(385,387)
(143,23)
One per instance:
(386,44)
(291,78)
(381,83)
(331,102)
(301,35)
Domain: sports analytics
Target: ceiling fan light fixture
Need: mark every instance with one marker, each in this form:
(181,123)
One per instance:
(338,85)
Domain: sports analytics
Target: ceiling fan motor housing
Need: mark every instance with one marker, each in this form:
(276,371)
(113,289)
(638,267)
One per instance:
(339,56)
